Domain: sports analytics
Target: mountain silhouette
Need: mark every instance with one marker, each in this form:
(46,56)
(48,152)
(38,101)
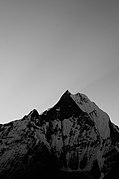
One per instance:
(73,139)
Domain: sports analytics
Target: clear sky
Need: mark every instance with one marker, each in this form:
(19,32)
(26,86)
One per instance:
(49,46)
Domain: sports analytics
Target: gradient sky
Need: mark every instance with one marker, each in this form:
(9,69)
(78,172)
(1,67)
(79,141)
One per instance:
(49,46)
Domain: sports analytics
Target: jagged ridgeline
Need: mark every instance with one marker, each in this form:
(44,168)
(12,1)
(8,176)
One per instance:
(73,139)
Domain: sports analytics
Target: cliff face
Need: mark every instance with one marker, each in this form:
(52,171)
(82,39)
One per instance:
(74,138)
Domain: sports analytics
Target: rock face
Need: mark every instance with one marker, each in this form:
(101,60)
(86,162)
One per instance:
(73,139)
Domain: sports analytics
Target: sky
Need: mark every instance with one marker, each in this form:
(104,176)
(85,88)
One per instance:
(50,46)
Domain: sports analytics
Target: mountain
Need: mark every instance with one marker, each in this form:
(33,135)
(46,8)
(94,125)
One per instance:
(73,139)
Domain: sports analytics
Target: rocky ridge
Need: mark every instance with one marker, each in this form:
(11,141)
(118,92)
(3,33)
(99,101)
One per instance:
(74,138)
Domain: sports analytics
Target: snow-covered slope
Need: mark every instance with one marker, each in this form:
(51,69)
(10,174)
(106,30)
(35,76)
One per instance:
(75,138)
(100,118)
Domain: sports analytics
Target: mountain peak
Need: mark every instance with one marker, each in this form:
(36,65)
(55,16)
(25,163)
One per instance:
(99,117)
(78,97)
(66,93)
(33,114)
(74,137)
(82,101)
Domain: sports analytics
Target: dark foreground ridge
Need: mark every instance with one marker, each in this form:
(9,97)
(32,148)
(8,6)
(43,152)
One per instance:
(73,139)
